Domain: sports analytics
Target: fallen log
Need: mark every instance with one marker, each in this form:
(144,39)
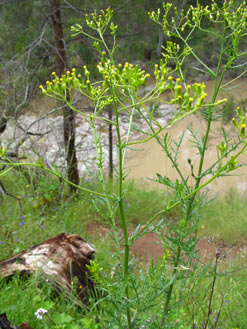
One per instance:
(63,260)
(5,324)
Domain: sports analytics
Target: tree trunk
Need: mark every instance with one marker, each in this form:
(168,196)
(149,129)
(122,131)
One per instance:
(68,114)
(3,124)
(63,260)
(160,43)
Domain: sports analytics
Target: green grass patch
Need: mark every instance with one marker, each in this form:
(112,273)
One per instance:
(225,218)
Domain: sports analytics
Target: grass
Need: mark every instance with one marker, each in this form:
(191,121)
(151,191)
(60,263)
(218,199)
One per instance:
(225,218)
(22,297)
(47,211)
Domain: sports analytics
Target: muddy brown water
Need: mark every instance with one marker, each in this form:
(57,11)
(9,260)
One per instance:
(150,159)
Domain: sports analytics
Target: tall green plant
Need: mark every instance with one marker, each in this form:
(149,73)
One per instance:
(124,303)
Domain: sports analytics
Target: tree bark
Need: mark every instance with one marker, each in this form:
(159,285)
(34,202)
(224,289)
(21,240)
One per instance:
(68,114)
(63,260)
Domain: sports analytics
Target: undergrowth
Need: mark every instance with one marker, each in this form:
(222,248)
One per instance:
(34,219)
(225,218)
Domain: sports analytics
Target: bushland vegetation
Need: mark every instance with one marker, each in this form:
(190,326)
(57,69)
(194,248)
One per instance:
(177,291)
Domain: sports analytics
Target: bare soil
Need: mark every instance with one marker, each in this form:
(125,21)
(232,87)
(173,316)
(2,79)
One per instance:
(148,248)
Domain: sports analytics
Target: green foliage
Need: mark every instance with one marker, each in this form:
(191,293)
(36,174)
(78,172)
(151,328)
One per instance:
(225,218)
(228,110)
(154,297)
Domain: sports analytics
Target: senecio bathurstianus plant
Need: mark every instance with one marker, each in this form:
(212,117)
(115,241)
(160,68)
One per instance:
(125,302)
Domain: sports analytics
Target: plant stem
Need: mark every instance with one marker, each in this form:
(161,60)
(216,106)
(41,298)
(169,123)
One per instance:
(217,85)
(212,289)
(122,216)
(169,293)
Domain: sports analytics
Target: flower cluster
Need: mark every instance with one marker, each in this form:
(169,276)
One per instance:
(40,312)
(122,77)
(242,122)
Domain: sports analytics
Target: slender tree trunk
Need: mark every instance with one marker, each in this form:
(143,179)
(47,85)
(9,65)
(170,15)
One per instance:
(3,124)
(68,114)
(160,43)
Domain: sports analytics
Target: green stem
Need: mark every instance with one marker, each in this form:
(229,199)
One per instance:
(170,123)
(122,216)
(169,293)
(106,47)
(210,72)
(163,145)
(59,176)
(188,196)
(97,143)
(217,85)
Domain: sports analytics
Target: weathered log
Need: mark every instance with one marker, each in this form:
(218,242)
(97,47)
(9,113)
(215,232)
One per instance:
(63,259)
(5,324)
